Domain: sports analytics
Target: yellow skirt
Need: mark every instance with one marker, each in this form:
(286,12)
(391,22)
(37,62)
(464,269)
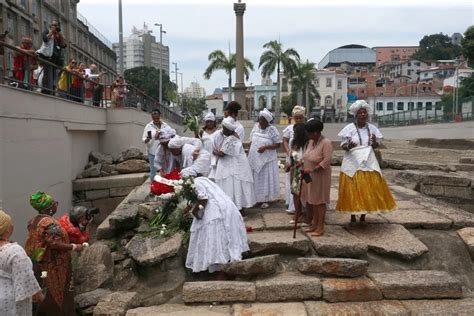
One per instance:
(365,192)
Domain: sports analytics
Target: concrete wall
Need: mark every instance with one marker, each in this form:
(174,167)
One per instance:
(45,142)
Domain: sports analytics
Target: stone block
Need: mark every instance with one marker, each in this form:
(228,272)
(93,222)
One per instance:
(269,309)
(148,210)
(255,221)
(252,267)
(92,298)
(445,180)
(288,287)
(277,221)
(469,160)
(139,194)
(390,239)
(336,242)
(181,310)
(429,284)
(95,268)
(440,307)
(116,304)
(416,218)
(278,242)
(124,217)
(150,251)
(467,235)
(122,191)
(132,166)
(333,266)
(97,157)
(218,291)
(104,230)
(459,217)
(350,290)
(339,218)
(408,205)
(432,190)
(458,192)
(92,172)
(97,194)
(374,308)
(124,180)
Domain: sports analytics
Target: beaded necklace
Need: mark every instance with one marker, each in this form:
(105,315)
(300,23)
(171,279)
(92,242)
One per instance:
(368,133)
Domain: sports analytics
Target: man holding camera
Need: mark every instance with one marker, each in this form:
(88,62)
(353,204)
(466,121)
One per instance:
(57,56)
(76,223)
(151,135)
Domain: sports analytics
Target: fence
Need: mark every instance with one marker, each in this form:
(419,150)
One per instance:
(31,72)
(421,116)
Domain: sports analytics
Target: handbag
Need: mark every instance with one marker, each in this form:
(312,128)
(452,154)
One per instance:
(46,48)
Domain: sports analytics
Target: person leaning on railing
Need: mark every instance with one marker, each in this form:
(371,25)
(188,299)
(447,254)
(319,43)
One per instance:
(23,63)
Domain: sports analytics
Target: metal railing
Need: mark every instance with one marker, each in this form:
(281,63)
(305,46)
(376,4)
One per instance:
(421,116)
(33,73)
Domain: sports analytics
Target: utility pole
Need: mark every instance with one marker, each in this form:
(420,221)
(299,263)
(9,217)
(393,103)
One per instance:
(161,60)
(239,88)
(176,78)
(120,39)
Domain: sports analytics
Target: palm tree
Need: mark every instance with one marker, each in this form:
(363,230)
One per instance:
(303,82)
(273,59)
(219,61)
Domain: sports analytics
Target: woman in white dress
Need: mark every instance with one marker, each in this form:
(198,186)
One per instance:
(208,131)
(218,234)
(17,281)
(188,152)
(164,161)
(265,140)
(232,171)
(298,115)
(232,110)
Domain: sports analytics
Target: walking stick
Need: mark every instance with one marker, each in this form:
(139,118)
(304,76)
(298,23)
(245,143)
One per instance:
(298,209)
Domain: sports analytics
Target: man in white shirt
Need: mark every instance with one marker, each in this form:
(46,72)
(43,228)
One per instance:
(150,137)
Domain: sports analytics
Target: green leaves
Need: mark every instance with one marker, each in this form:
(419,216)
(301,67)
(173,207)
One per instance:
(147,79)
(37,255)
(192,123)
(436,47)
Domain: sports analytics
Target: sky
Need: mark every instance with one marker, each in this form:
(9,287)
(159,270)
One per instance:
(194,28)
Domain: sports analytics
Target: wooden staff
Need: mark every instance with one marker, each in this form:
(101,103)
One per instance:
(298,209)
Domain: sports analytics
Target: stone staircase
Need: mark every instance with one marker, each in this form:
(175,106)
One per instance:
(411,261)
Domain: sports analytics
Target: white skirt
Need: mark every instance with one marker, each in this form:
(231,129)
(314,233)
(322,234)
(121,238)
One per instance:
(267,183)
(240,192)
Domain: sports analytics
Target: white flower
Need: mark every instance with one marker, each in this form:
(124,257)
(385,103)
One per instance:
(85,244)
(201,207)
(44,274)
(163,225)
(181,182)
(178,189)
(162,232)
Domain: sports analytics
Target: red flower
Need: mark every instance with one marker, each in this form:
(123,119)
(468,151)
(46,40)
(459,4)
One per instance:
(249,229)
(158,188)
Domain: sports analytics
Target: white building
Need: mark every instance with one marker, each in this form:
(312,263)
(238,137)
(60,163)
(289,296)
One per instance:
(409,68)
(142,49)
(332,88)
(215,104)
(194,91)
(455,80)
(427,103)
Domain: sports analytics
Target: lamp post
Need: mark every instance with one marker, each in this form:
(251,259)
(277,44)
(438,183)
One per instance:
(120,39)
(161,60)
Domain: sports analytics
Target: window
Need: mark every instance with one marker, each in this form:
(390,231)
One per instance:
(417,64)
(409,72)
(328,100)
(339,102)
(419,105)
(409,64)
(411,106)
(400,106)
(339,84)
(429,106)
(379,106)
(328,82)
(316,83)
(438,106)
(390,106)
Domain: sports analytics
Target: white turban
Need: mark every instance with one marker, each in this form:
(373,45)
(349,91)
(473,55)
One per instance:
(210,117)
(166,134)
(267,115)
(229,123)
(176,143)
(298,109)
(359,104)
(188,172)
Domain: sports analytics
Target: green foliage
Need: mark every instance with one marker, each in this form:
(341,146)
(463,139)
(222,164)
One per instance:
(467,45)
(147,79)
(303,79)
(466,88)
(192,123)
(274,58)
(287,104)
(447,103)
(436,47)
(193,106)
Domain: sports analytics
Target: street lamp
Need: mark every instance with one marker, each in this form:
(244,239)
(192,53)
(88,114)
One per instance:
(161,59)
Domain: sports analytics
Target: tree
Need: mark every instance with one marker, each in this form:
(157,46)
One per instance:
(147,79)
(467,44)
(219,61)
(274,58)
(303,82)
(287,104)
(193,106)
(436,47)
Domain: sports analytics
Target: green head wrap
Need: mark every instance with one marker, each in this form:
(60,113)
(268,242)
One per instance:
(41,201)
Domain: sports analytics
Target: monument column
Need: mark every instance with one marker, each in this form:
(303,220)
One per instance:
(239,88)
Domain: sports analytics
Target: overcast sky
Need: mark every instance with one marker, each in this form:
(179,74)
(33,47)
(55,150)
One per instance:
(197,27)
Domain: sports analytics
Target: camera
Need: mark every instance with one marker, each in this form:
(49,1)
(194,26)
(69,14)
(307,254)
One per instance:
(149,134)
(91,212)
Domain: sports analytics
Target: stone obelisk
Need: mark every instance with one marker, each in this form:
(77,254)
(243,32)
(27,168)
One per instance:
(239,88)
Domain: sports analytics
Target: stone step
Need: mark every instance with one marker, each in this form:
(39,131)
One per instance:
(340,218)
(253,267)
(288,287)
(350,290)
(180,310)
(418,218)
(467,236)
(390,239)
(428,284)
(277,221)
(337,242)
(255,221)
(278,242)
(356,308)
(218,291)
(337,267)
(269,309)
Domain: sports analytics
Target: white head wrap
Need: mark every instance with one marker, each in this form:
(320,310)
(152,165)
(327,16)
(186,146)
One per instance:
(267,115)
(176,142)
(229,123)
(210,117)
(200,166)
(188,172)
(359,104)
(166,134)
(298,109)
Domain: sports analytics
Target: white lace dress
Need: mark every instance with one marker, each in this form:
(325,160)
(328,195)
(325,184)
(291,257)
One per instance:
(220,236)
(17,281)
(288,133)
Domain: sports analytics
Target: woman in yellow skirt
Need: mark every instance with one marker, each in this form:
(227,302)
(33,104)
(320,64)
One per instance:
(362,188)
